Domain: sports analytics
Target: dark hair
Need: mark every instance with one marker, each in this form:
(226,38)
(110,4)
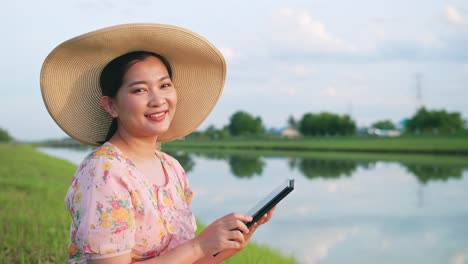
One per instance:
(113,74)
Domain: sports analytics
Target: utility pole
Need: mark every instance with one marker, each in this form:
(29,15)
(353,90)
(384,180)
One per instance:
(419,103)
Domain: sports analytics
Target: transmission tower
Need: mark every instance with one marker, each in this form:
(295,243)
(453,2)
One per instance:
(419,101)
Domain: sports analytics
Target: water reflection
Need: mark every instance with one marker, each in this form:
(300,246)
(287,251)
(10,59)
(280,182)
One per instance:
(426,173)
(241,166)
(248,166)
(245,166)
(321,168)
(185,160)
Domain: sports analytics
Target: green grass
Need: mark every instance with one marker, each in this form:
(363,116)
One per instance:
(35,222)
(405,144)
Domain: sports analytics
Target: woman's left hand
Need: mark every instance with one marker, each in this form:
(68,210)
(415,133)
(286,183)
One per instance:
(229,252)
(265,218)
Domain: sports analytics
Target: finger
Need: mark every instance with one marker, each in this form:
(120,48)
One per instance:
(241,217)
(240,226)
(232,224)
(272,209)
(237,235)
(265,218)
(253,227)
(233,244)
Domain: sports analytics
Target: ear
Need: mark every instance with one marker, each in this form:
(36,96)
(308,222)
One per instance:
(109,105)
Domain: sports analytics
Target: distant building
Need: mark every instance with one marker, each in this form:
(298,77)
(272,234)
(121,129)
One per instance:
(370,131)
(290,133)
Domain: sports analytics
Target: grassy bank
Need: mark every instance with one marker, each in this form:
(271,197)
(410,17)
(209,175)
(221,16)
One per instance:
(451,145)
(34,221)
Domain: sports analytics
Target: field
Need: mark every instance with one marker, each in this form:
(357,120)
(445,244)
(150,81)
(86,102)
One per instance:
(34,221)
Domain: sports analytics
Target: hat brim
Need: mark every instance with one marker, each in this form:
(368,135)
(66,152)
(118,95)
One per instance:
(70,77)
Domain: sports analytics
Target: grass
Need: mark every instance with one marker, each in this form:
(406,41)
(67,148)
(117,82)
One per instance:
(35,222)
(405,144)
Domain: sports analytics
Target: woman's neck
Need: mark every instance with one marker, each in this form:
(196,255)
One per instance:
(136,148)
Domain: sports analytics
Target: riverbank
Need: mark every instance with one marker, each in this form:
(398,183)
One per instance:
(34,220)
(445,145)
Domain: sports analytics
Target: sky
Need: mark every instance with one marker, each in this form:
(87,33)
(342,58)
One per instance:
(365,58)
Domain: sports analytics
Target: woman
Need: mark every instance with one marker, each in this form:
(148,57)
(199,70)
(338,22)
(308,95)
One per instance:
(118,88)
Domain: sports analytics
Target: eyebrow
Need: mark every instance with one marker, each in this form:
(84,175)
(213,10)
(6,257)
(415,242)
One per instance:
(144,82)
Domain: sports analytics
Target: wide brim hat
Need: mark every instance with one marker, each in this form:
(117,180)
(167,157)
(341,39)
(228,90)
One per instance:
(70,77)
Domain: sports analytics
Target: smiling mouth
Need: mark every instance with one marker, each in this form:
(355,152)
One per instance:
(157,116)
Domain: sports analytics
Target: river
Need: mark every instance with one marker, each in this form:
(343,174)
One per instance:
(341,211)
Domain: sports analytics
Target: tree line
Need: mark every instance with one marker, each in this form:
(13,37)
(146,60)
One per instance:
(424,121)
(243,124)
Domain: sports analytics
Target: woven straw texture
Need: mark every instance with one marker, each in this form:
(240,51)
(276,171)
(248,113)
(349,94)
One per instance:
(70,77)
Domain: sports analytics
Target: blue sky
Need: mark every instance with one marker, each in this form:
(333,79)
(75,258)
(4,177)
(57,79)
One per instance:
(284,57)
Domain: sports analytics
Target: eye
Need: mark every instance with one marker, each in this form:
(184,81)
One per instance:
(166,85)
(138,90)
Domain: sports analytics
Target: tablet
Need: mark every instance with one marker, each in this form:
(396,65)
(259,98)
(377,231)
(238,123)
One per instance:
(270,200)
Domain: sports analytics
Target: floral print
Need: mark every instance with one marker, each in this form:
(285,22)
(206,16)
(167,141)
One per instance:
(115,209)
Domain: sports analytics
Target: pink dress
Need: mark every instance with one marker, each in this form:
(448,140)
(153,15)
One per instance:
(115,209)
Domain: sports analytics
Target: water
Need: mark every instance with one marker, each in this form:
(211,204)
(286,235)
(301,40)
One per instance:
(341,211)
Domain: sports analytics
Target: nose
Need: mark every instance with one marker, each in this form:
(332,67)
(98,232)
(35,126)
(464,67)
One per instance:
(156,99)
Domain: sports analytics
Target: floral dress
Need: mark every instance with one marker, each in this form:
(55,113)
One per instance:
(115,209)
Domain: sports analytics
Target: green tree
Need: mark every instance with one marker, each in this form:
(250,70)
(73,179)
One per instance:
(435,121)
(212,133)
(326,124)
(384,124)
(242,123)
(5,136)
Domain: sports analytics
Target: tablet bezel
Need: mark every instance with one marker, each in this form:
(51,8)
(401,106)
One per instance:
(270,200)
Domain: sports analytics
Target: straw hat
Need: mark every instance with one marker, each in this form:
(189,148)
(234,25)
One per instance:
(70,77)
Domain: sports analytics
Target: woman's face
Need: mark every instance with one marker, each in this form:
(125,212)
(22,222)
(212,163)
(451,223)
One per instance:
(146,102)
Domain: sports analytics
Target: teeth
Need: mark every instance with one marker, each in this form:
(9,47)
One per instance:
(157,115)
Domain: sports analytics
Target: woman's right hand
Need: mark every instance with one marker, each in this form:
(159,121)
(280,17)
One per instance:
(226,232)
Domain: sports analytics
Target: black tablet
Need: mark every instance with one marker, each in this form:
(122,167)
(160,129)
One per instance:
(270,200)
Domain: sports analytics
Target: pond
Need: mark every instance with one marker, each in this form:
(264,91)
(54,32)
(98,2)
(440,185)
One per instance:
(342,210)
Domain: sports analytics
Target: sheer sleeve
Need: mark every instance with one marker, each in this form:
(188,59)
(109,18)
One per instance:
(101,209)
(182,218)
(181,175)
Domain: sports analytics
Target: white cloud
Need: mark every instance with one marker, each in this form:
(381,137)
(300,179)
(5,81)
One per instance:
(321,245)
(460,258)
(291,92)
(332,188)
(296,29)
(381,34)
(453,16)
(302,71)
(330,91)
